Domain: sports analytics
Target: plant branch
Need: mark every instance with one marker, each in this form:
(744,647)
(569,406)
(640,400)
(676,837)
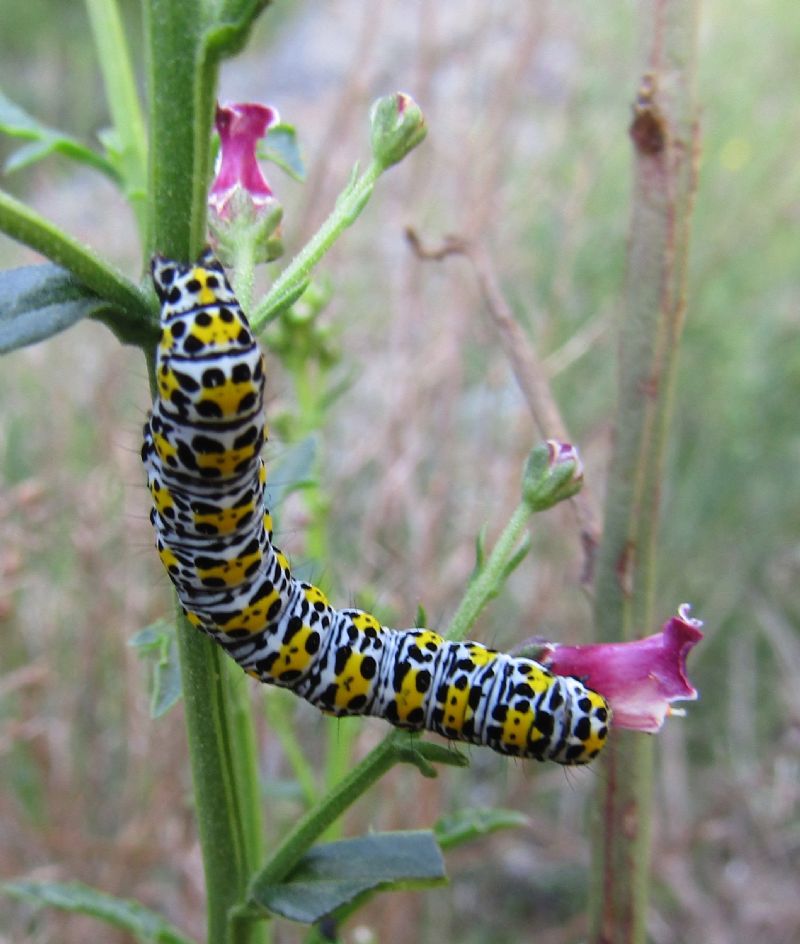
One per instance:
(133,316)
(664,174)
(291,283)
(182,89)
(123,103)
(528,369)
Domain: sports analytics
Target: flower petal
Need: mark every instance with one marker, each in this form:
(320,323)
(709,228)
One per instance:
(240,127)
(640,679)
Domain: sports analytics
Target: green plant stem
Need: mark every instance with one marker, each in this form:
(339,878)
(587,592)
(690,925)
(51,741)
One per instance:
(490,577)
(123,103)
(28,227)
(341,735)
(663,187)
(276,702)
(182,87)
(215,766)
(242,736)
(244,265)
(392,750)
(291,282)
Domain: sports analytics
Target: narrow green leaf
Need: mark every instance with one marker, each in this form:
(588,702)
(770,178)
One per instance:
(125,309)
(28,154)
(17,123)
(126,142)
(468,824)
(146,926)
(158,643)
(421,618)
(332,875)
(37,302)
(294,470)
(281,147)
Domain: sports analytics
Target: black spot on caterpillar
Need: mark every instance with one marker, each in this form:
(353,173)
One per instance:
(202,452)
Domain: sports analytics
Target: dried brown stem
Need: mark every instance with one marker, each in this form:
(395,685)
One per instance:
(527,367)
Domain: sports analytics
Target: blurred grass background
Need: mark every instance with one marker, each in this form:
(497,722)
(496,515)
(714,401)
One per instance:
(528,108)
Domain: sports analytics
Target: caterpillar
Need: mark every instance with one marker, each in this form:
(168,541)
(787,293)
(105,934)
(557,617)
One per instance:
(202,454)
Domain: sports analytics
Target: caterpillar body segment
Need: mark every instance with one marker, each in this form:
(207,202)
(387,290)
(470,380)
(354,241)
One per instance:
(202,453)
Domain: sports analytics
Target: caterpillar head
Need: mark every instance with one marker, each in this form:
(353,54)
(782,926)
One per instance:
(181,286)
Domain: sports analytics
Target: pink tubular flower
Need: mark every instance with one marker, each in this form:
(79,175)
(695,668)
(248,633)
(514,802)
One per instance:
(640,678)
(240,126)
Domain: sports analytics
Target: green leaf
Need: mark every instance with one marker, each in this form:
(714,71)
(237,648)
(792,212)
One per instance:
(421,618)
(468,824)
(37,302)
(146,926)
(332,875)
(281,147)
(17,123)
(294,470)
(158,642)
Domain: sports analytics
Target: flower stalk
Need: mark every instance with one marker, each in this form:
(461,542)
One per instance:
(663,134)
(182,89)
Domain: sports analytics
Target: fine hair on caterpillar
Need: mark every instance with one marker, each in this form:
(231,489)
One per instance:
(202,452)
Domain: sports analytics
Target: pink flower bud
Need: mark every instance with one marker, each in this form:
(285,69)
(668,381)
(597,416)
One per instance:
(240,126)
(553,472)
(398,126)
(640,679)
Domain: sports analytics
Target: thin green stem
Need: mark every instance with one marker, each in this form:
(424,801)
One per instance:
(485,584)
(398,747)
(244,267)
(244,753)
(664,177)
(123,103)
(276,703)
(133,316)
(291,282)
(311,826)
(341,735)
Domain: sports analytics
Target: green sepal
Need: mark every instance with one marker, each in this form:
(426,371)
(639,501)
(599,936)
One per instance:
(398,126)
(333,875)
(146,926)
(550,477)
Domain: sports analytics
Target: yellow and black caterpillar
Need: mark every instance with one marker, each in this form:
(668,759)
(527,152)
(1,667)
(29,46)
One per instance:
(202,452)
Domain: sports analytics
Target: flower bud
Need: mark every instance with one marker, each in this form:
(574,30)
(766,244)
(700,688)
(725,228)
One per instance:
(553,472)
(398,126)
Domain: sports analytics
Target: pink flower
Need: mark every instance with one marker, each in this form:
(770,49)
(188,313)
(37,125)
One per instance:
(639,679)
(240,127)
